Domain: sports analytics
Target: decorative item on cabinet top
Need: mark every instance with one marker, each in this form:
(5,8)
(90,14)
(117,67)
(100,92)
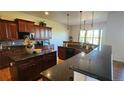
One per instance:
(42,23)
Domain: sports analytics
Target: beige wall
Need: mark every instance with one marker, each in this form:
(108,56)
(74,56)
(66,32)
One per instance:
(59,31)
(115,34)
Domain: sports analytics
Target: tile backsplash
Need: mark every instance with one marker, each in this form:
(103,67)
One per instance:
(20,42)
(12,43)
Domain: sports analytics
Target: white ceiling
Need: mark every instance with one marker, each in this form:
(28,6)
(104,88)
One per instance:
(74,16)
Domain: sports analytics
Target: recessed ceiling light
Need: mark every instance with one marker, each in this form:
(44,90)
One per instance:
(46,13)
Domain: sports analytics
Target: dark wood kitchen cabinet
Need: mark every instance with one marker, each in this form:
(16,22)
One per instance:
(8,30)
(30,26)
(37,32)
(48,32)
(42,33)
(12,29)
(3,31)
(24,25)
(30,69)
(66,52)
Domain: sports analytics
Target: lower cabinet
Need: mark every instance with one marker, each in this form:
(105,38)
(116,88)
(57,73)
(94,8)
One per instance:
(30,69)
(66,52)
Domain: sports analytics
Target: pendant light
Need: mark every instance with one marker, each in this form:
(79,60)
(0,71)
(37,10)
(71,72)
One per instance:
(84,24)
(68,28)
(67,21)
(80,28)
(92,24)
(80,20)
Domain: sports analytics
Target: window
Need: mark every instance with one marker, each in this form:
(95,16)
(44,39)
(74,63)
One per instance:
(82,36)
(91,36)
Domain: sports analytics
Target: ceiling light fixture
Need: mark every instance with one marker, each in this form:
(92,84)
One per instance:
(46,13)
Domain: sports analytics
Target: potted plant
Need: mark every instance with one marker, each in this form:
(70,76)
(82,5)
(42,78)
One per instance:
(42,23)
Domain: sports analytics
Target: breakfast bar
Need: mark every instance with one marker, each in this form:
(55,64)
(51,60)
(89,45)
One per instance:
(97,65)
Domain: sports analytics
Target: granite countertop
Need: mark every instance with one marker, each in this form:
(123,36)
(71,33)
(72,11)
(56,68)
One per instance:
(96,64)
(10,48)
(27,56)
(5,61)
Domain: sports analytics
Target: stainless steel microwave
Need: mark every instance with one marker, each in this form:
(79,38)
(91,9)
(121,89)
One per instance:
(23,35)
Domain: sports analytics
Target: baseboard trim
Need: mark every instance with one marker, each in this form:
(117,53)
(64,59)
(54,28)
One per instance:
(118,61)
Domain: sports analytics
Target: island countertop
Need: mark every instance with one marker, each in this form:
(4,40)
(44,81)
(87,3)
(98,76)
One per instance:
(96,64)
(27,56)
(6,60)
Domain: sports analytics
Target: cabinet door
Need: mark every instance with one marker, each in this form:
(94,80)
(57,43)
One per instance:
(9,31)
(12,34)
(28,70)
(29,27)
(25,26)
(45,33)
(50,33)
(49,60)
(37,32)
(4,31)
(69,52)
(22,26)
(42,33)
(62,53)
(0,30)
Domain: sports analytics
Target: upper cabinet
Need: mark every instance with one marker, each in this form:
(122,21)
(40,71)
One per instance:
(3,32)
(37,32)
(8,30)
(25,26)
(48,33)
(12,29)
(42,33)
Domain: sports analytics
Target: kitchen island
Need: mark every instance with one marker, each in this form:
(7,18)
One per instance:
(97,64)
(24,66)
(29,66)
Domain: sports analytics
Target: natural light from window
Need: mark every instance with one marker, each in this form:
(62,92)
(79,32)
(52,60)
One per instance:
(91,36)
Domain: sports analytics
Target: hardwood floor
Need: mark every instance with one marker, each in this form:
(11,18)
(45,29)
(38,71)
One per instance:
(118,71)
